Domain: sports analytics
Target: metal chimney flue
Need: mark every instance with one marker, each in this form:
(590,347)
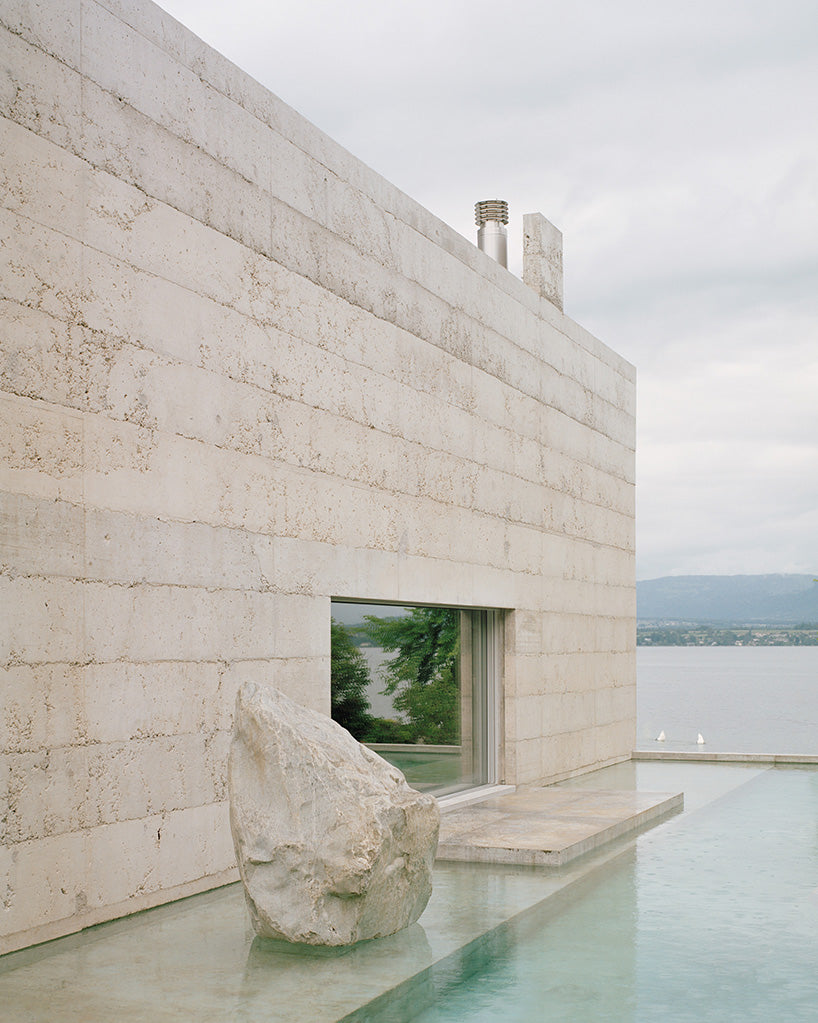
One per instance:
(491,217)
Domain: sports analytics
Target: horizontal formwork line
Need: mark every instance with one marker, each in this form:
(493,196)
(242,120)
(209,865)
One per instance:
(492,423)
(318,283)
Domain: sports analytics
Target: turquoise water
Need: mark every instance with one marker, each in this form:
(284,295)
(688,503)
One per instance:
(710,915)
(713,916)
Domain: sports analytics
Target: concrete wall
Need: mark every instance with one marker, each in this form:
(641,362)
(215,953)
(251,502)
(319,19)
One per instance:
(241,374)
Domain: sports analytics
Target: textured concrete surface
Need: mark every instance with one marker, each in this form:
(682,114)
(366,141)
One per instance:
(548,826)
(240,374)
(542,258)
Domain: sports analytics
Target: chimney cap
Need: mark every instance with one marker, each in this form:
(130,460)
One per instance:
(490,209)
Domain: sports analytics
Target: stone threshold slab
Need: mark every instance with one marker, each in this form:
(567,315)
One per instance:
(797,759)
(548,826)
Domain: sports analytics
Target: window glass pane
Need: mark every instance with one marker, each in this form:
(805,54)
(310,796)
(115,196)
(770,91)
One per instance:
(413,683)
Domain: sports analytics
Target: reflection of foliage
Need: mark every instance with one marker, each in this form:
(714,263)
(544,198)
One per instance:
(389,730)
(349,677)
(424,674)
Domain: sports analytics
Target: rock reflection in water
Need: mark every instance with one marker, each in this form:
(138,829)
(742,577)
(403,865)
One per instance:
(288,982)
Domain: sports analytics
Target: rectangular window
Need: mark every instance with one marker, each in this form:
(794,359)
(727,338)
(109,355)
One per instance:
(419,685)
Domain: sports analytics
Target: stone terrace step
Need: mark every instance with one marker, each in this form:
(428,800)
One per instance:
(547,826)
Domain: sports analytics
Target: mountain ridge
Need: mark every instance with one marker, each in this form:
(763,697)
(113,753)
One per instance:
(781,598)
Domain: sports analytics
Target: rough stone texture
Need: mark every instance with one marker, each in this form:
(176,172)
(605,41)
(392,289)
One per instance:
(241,373)
(333,846)
(542,257)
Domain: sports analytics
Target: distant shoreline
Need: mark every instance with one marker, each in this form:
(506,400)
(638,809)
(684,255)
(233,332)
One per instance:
(805,634)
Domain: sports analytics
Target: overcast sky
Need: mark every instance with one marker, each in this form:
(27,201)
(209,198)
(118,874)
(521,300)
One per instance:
(675,145)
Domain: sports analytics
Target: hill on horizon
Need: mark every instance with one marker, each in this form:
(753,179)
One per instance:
(784,599)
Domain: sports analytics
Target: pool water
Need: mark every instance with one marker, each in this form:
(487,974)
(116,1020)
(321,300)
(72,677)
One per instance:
(710,915)
(713,916)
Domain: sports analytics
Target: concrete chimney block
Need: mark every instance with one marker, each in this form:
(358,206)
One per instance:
(542,257)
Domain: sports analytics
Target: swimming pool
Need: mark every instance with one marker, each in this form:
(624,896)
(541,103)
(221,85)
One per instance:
(711,915)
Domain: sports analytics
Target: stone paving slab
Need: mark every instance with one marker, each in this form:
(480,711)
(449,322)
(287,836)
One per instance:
(702,756)
(548,826)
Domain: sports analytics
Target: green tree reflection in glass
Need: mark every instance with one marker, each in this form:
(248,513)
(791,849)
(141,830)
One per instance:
(423,676)
(349,674)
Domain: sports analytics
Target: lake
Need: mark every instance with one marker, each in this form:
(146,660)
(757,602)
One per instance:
(741,699)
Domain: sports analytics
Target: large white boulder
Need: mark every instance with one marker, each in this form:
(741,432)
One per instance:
(333,846)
